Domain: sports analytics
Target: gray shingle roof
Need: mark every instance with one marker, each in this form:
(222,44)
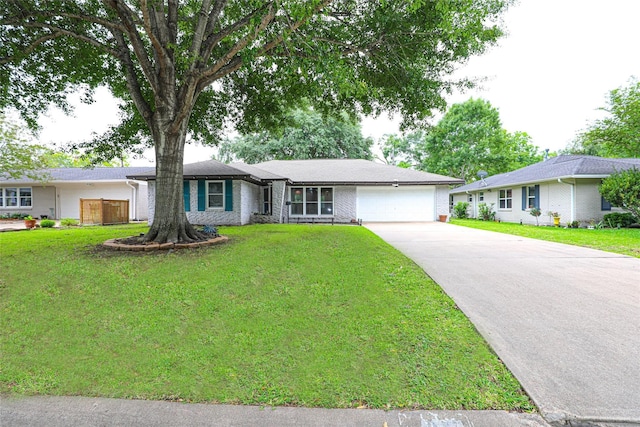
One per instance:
(350,172)
(81,174)
(208,169)
(319,171)
(257,172)
(552,169)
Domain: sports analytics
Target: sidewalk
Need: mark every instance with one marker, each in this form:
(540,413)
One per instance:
(85,411)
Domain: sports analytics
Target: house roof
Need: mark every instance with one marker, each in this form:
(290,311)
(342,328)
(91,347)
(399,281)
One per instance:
(317,171)
(351,172)
(85,175)
(568,166)
(258,173)
(208,169)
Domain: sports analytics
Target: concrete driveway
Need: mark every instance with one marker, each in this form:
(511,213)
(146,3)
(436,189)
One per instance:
(564,319)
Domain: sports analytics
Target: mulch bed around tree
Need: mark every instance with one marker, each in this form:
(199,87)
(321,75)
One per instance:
(137,244)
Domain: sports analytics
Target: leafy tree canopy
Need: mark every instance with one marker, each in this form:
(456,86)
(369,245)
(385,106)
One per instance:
(307,135)
(623,189)
(18,158)
(470,138)
(402,151)
(190,67)
(617,135)
(75,159)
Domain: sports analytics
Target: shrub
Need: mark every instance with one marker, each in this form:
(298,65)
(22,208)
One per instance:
(623,189)
(486,212)
(67,222)
(460,210)
(619,219)
(47,223)
(536,212)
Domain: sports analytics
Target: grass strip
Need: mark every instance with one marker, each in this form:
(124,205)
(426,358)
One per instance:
(625,241)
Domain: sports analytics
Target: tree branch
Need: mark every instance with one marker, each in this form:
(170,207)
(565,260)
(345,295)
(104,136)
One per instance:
(126,15)
(58,32)
(27,50)
(132,80)
(213,39)
(293,27)
(238,46)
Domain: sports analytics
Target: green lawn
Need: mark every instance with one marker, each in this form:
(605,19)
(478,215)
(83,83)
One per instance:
(624,241)
(319,316)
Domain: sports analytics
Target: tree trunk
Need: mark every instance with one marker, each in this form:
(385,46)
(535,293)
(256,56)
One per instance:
(170,222)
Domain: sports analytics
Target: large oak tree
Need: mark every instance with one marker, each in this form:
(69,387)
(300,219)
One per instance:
(470,138)
(185,69)
(306,135)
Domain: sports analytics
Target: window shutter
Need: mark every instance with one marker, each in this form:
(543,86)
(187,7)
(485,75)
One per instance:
(202,195)
(186,190)
(228,195)
(537,194)
(524,198)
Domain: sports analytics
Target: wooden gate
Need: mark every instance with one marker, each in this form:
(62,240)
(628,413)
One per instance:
(104,211)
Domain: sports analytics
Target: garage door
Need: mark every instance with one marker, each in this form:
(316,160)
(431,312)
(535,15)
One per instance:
(410,203)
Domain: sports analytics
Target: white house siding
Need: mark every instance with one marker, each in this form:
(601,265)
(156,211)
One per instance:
(214,217)
(43,200)
(442,200)
(151,200)
(68,196)
(554,197)
(142,205)
(589,201)
(249,201)
(345,199)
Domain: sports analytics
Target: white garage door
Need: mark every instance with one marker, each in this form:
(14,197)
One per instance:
(410,203)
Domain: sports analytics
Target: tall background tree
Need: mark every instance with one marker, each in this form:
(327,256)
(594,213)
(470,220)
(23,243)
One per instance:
(18,158)
(185,69)
(618,134)
(307,135)
(467,139)
(403,151)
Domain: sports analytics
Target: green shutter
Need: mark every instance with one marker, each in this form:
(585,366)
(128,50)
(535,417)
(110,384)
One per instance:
(186,190)
(228,195)
(202,195)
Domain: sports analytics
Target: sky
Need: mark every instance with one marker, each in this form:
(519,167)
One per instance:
(548,76)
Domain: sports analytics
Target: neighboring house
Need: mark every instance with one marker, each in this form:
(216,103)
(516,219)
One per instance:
(59,195)
(567,185)
(338,190)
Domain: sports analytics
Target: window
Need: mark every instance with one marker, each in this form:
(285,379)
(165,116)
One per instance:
(266,200)
(505,199)
(311,201)
(604,204)
(481,196)
(215,195)
(530,197)
(15,197)
(470,198)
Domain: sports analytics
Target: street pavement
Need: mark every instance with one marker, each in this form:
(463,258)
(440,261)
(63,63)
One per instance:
(564,319)
(86,411)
